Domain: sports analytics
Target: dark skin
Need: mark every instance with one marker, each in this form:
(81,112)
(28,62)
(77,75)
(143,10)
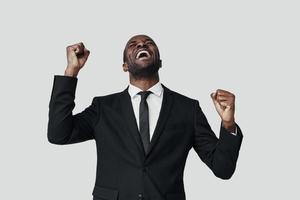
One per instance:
(142,61)
(139,79)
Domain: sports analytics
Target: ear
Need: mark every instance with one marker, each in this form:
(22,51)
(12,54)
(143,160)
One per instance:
(125,67)
(160,63)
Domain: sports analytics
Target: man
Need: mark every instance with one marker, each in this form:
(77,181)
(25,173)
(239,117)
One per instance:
(145,132)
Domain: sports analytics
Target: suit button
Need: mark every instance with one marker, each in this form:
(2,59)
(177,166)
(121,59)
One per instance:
(140,196)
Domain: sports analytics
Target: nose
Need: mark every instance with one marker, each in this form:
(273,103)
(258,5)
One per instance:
(141,44)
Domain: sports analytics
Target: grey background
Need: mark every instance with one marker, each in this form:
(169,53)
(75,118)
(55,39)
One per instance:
(250,48)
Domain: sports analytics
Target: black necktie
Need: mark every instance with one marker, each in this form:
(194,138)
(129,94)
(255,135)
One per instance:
(144,119)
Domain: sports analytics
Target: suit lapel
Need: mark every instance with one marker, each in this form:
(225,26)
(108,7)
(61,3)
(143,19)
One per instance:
(129,117)
(167,103)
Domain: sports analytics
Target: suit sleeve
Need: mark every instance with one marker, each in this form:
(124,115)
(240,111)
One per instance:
(219,154)
(63,126)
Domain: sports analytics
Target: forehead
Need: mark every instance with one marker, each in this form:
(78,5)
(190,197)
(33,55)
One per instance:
(139,38)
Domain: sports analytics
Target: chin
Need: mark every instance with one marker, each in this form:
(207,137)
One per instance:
(143,64)
(146,65)
(146,70)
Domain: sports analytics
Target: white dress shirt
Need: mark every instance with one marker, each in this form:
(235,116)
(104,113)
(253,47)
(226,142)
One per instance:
(154,101)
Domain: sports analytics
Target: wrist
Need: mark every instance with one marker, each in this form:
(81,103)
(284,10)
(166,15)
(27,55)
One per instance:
(71,73)
(230,126)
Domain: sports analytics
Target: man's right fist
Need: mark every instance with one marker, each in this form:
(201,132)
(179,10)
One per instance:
(77,55)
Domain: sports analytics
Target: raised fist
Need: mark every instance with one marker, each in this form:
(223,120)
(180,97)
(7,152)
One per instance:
(77,55)
(224,102)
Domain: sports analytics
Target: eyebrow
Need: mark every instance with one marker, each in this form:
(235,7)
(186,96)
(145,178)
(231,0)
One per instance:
(147,40)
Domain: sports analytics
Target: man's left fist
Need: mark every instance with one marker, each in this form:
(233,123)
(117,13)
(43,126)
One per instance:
(224,103)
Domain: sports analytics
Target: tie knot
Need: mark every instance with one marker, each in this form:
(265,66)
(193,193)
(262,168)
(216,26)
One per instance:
(144,94)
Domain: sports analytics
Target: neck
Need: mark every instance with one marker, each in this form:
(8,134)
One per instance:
(144,83)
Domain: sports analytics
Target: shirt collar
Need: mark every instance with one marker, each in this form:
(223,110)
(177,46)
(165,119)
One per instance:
(156,89)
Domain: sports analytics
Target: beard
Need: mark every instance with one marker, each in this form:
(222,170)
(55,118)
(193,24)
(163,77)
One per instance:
(139,71)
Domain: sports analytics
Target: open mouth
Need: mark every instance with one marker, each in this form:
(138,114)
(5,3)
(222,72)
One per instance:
(143,54)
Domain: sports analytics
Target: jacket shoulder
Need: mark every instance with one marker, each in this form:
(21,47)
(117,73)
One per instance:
(108,97)
(183,98)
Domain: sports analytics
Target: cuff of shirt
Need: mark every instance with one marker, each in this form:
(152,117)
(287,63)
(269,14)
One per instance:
(234,133)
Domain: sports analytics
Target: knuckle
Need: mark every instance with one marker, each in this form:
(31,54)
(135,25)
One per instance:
(71,47)
(81,44)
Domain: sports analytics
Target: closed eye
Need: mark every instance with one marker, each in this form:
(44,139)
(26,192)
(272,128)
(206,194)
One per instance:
(151,43)
(131,45)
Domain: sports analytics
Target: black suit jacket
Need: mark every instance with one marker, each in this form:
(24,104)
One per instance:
(124,171)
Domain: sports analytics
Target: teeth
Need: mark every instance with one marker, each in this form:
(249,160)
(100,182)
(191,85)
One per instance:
(143,51)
